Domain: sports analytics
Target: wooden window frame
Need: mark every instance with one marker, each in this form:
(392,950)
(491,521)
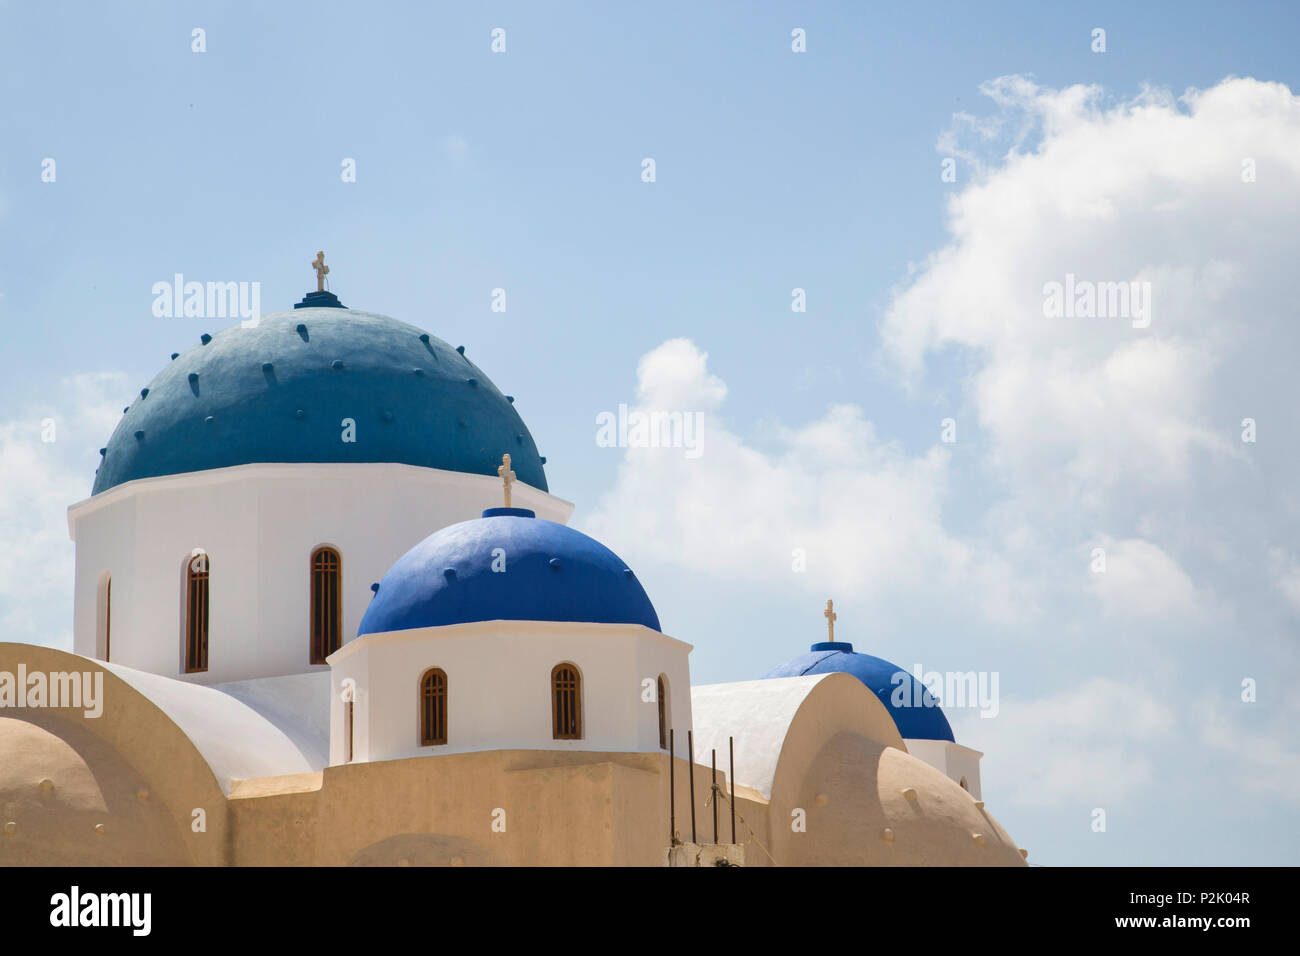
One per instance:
(104,615)
(325,597)
(198,601)
(347,730)
(661,692)
(566,702)
(433,707)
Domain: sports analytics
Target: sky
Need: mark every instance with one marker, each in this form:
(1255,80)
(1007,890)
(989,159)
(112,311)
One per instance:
(1159,690)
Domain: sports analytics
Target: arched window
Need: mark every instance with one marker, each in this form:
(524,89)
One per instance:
(326,603)
(105,623)
(433,707)
(566,703)
(661,692)
(349,695)
(198,568)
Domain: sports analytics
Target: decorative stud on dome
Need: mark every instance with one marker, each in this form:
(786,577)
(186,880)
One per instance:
(205,338)
(460,349)
(507,476)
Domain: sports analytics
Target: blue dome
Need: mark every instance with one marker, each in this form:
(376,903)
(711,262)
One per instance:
(279,393)
(551,573)
(916,712)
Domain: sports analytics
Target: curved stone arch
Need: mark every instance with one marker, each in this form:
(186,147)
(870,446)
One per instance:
(148,740)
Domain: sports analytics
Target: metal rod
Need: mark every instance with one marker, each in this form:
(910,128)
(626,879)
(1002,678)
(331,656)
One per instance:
(731,786)
(714,796)
(690,745)
(672,788)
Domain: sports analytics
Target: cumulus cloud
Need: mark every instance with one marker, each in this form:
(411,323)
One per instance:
(1261,753)
(1286,576)
(1151,191)
(48,453)
(1164,434)
(864,516)
(1095,742)
(1141,580)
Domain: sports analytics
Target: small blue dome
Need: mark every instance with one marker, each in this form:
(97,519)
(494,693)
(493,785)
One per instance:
(280,392)
(507,566)
(915,710)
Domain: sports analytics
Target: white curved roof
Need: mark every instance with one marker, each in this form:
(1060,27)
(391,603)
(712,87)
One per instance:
(758,714)
(256,728)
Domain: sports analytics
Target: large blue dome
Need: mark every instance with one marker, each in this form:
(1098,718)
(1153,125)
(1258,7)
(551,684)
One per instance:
(279,393)
(915,710)
(544,571)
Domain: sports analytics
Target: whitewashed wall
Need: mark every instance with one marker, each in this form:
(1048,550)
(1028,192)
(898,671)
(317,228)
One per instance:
(953,760)
(259,525)
(499,687)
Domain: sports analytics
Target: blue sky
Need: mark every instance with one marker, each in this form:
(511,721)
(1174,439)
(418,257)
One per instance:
(775,170)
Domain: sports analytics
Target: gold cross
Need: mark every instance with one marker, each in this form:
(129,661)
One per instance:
(830,616)
(322,270)
(507,476)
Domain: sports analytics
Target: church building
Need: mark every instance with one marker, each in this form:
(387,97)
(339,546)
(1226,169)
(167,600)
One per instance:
(327,611)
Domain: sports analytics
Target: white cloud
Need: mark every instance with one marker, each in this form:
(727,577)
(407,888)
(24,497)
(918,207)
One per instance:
(867,515)
(1263,758)
(1148,190)
(1286,576)
(1093,744)
(455,147)
(1142,580)
(40,479)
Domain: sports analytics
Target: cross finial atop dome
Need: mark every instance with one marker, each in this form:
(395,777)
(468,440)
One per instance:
(831,617)
(507,476)
(322,270)
(320,299)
